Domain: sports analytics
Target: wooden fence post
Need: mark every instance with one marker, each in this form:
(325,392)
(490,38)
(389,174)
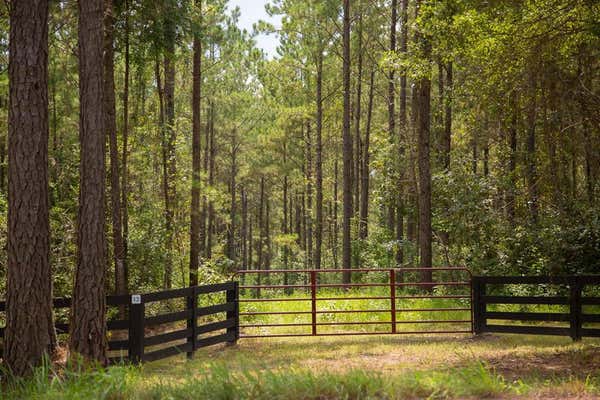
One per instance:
(233,296)
(192,323)
(576,287)
(136,328)
(478,304)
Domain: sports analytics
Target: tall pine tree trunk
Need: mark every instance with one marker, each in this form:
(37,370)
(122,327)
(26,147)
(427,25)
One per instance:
(336,180)
(357,143)
(364,191)
(391,103)
(309,198)
(413,198)
(29,333)
(196,159)
(232,205)
(357,119)
(284,222)
(211,181)
(88,325)
(244,229)
(512,164)
(347,150)
(423,144)
(447,137)
(446,144)
(125,156)
(402,135)
(319,163)
(532,185)
(3,140)
(111,131)
(170,185)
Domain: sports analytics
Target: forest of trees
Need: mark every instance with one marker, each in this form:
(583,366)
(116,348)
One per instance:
(150,144)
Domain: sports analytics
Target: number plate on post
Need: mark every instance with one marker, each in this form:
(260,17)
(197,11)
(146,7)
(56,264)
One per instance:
(136,299)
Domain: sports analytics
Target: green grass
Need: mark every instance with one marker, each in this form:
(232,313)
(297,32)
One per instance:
(378,367)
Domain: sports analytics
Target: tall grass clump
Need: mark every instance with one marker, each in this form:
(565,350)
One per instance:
(222,383)
(73,382)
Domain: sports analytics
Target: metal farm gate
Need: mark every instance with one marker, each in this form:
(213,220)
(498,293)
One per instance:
(310,302)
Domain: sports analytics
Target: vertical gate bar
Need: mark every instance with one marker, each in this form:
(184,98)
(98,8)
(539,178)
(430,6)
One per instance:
(233,297)
(136,329)
(313,296)
(472,306)
(236,286)
(575,308)
(393,298)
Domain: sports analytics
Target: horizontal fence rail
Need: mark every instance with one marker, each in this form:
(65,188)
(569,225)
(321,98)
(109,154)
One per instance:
(567,309)
(185,333)
(282,286)
(116,327)
(166,323)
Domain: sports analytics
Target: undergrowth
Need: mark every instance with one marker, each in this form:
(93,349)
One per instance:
(218,382)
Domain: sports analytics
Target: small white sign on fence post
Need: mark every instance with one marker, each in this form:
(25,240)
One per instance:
(136,299)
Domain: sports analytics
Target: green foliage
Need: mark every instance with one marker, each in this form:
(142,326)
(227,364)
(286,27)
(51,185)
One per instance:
(496,48)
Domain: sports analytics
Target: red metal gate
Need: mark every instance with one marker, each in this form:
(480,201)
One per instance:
(271,307)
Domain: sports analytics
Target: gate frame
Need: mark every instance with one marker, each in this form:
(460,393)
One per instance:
(313,285)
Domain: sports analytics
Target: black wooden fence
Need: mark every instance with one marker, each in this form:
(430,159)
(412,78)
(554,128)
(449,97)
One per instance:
(148,334)
(570,308)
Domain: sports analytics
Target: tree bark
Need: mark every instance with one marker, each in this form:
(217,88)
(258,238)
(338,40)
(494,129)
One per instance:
(244,228)
(413,198)
(250,245)
(196,160)
(357,117)
(269,253)
(391,99)
(587,131)
(336,185)
(531,150)
(211,182)
(512,164)
(4,138)
(446,144)
(474,151)
(284,222)
(364,192)
(261,225)
(309,197)
(486,157)
(298,219)
(205,167)
(125,157)
(111,131)
(396,223)
(169,97)
(232,205)
(447,137)
(423,144)
(347,150)
(29,334)
(319,164)
(410,133)
(88,325)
